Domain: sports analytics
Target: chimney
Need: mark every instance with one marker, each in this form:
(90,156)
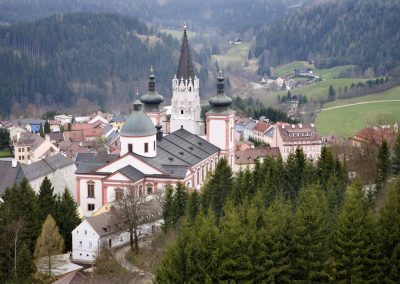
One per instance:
(312,125)
(29,162)
(293,126)
(14,163)
(300,125)
(159,134)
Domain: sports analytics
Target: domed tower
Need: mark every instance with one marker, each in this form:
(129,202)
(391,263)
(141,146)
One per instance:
(152,101)
(220,122)
(138,134)
(185,112)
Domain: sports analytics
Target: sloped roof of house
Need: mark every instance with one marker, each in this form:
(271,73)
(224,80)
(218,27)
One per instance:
(299,132)
(376,135)
(118,118)
(44,167)
(249,156)
(261,126)
(8,174)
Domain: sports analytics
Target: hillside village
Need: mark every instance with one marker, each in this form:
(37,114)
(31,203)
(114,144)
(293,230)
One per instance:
(128,181)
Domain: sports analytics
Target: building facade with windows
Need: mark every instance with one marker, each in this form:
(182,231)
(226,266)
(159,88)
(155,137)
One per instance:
(150,160)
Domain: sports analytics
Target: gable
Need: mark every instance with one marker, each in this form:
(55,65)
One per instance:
(117,177)
(129,160)
(85,225)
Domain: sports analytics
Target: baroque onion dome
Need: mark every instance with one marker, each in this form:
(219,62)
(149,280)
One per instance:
(138,123)
(221,102)
(152,99)
(185,67)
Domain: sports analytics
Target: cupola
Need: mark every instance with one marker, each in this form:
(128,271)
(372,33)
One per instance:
(152,99)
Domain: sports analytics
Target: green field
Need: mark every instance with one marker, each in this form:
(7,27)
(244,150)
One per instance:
(5,153)
(327,74)
(347,121)
(178,34)
(234,58)
(392,94)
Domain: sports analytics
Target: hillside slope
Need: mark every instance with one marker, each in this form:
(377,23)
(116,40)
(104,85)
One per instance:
(100,57)
(331,33)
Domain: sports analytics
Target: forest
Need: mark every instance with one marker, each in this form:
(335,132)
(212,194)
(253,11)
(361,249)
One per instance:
(99,57)
(332,33)
(286,222)
(226,15)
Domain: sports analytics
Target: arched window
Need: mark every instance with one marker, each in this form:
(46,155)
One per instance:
(198,176)
(202,173)
(90,189)
(181,111)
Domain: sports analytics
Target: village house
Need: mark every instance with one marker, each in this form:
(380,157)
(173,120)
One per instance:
(247,158)
(262,133)
(117,122)
(374,136)
(292,136)
(30,147)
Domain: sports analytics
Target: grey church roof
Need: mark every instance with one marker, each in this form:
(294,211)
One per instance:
(138,123)
(176,153)
(185,67)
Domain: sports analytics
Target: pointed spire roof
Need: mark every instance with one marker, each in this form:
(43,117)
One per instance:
(185,68)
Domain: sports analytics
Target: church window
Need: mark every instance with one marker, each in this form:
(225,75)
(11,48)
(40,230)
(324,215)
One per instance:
(130,148)
(119,193)
(90,207)
(90,189)
(198,176)
(202,174)
(146,147)
(181,111)
(154,145)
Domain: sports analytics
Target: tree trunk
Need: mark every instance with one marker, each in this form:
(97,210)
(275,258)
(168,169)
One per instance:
(131,238)
(136,241)
(49,265)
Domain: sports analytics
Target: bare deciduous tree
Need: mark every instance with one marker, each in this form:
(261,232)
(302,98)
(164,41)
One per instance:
(14,232)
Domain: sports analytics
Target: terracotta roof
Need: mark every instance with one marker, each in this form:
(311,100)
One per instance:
(248,156)
(74,136)
(261,126)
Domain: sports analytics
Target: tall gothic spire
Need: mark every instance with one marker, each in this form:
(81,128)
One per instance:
(185,68)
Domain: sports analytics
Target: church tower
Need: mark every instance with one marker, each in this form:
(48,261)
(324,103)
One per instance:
(185,112)
(220,122)
(151,103)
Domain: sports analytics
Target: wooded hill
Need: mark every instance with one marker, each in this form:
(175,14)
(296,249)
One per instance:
(330,33)
(100,57)
(206,14)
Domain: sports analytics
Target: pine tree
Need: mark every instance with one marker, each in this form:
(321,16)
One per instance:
(235,264)
(310,236)
(41,131)
(325,166)
(168,208)
(274,259)
(193,206)
(351,239)
(331,93)
(389,233)
(67,217)
(47,199)
(179,203)
(47,127)
(218,188)
(396,155)
(383,165)
(50,242)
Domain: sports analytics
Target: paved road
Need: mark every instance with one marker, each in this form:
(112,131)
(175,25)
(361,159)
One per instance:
(361,103)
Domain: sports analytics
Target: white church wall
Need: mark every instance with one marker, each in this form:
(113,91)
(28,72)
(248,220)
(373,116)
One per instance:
(138,145)
(217,133)
(85,200)
(129,160)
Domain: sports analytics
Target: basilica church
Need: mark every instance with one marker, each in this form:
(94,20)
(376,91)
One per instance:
(157,151)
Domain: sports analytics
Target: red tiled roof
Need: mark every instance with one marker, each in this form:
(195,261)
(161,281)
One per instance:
(261,126)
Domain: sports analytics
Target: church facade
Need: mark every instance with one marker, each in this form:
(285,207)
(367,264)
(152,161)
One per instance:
(151,160)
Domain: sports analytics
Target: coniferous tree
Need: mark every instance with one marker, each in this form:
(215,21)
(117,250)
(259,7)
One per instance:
(352,247)
(47,199)
(237,192)
(383,165)
(50,242)
(179,203)
(67,217)
(41,131)
(47,127)
(218,188)
(235,264)
(168,208)
(331,93)
(396,155)
(310,236)
(275,262)
(193,205)
(389,233)
(294,169)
